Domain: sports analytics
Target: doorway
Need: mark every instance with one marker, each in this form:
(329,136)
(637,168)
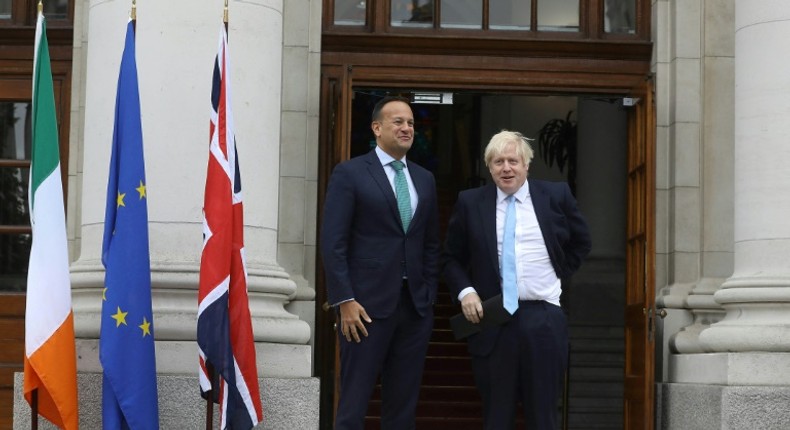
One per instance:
(451,131)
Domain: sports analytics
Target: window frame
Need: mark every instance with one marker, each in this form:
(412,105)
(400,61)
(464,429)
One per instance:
(17,37)
(13,90)
(25,12)
(591,23)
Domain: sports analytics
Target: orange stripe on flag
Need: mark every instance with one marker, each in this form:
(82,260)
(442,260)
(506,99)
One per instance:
(52,369)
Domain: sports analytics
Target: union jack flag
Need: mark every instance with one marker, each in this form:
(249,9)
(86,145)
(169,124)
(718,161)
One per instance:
(224,329)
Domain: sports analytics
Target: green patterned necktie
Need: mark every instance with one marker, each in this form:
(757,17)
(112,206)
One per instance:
(402,194)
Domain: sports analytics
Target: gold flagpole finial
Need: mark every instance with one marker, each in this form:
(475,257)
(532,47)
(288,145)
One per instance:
(40,7)
(133,13)
(225,13)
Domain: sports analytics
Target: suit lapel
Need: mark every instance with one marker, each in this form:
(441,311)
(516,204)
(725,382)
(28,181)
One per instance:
(487,211)
(540,201)
(421,185)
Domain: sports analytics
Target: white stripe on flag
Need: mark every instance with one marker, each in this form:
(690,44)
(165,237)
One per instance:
(49,286)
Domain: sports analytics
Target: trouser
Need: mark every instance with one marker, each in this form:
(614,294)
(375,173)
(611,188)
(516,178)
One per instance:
(395,349)
(527,363)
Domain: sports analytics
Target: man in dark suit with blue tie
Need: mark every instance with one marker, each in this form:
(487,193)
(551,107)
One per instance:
(380,248)
(518,238)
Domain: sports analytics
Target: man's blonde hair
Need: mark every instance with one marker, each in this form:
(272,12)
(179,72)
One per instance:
(500,141)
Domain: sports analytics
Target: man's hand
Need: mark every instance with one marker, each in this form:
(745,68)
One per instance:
(472,307)
(351,316)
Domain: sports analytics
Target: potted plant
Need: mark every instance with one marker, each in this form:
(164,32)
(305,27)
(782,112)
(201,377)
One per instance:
(557,144)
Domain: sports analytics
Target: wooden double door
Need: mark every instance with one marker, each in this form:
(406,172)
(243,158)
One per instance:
(449,141)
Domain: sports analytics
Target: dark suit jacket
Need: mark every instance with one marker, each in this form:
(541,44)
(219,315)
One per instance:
(470,254)
(363,244)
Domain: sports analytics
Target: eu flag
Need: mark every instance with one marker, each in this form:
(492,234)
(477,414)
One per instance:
(126,347)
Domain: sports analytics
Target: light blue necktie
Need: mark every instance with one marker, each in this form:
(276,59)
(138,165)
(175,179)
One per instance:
(509,288)
(402,194)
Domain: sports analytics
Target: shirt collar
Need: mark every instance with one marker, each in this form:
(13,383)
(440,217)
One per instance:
(521,195)
(385,158)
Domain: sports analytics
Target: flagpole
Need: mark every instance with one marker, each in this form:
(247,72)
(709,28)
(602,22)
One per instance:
(34,393)
(209,367)
(210,397)
(34,408)
(223,302)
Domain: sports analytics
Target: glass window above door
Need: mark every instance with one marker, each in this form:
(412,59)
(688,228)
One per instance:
(350,12)
(5,9)
(558,15)
(509,15)
(56,9)
(512,19)
(620,16)
(411,13)
(553,15)
(462,14)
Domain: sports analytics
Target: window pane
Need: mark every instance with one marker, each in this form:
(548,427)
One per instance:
(350,12)
(14,248)
(412,13)
(509,14)
(15,130)
(13,196)
(462,14)
(5,9)
(14,256)
(620,16)
(558,15)
(56,9)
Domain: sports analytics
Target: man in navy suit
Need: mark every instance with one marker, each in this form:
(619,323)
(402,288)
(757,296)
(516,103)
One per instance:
(525,358)
(380,248)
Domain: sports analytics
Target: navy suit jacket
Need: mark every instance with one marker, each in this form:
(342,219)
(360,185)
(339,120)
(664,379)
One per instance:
(363,244)
(470,255)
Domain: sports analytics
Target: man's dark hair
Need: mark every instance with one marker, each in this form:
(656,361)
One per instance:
(384,101)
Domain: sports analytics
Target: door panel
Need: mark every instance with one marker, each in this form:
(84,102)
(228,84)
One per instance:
(12,349)
(336,133)
(334,147)
(640,263)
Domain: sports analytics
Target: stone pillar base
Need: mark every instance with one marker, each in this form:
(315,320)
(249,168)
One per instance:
(731,369)
(725,391)
(717,407)
(287,403)
(176,357)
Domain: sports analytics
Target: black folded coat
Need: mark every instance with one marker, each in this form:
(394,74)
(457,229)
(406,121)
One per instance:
(494,313)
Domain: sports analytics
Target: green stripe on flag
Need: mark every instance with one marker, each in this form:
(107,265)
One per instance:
(46,155)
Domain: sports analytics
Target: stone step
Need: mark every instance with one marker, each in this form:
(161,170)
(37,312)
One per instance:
(597,344)
(596,389)
(597,359)
(605,374)
(437,409)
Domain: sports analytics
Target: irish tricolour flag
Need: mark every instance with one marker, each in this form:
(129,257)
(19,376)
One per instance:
(50,359)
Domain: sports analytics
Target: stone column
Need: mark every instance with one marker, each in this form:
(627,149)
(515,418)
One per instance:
(712,164)
(757,295)
(176,47)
